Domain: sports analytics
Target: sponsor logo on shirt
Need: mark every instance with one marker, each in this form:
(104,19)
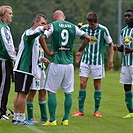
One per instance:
(128,39)
(93,40)
(65,25)
(64,48)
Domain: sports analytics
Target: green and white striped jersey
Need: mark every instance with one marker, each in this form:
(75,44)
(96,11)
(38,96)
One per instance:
(37,54)
(24,61)
(63,34)
(6,43)
(93,54)
(127,33)
(41,55)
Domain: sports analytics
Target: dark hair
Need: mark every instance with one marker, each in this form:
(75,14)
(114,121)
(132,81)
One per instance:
(92,17)
(129,10)
(38,18)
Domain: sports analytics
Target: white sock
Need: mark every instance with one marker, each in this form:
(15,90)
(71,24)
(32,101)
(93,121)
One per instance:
(15,116)
(21,116)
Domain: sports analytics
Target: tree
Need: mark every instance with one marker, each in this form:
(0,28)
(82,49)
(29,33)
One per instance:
(117,61)
(75,10)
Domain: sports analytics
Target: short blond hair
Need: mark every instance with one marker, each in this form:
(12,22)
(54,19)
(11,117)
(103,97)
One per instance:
(3,10)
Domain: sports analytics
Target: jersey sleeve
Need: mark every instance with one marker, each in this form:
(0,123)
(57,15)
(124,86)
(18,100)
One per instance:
(121,38)
(107,36)
(8,42)
(79,33)
(34,33)
(49,32)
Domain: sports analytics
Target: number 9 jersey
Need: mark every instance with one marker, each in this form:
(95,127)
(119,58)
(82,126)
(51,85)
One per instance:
(62,35)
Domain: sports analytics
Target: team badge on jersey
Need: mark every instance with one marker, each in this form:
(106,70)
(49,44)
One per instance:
(93,40)
(128,39)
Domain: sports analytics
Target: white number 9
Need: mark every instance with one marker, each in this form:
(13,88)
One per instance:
(65,36)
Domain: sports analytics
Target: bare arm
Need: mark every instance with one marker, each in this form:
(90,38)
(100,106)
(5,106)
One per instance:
(111,55)
(119,48)
(128,50)
(85,42)
(43,60)
(44,46)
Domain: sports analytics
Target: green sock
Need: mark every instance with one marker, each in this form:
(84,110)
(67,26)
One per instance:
(67,105)
(128,101)
(29,109)
(43,110)
(52,106)
(97,98)
(81,99)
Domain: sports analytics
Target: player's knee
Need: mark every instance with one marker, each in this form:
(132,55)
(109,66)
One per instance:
(97,86)
(83,84)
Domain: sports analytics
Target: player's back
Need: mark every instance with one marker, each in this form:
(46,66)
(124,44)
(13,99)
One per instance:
(63,37)
(64,32)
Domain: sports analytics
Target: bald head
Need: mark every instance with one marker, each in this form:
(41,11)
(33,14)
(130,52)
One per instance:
(59,15)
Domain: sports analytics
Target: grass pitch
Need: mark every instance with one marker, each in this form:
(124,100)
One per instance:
(112,109)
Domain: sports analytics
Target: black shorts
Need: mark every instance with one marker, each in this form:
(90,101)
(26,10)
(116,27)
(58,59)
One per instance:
(23,82)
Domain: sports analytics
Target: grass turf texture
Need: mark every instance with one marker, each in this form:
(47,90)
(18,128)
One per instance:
(112,109)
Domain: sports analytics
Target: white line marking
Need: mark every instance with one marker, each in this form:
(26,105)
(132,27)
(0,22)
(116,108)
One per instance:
(33,128)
